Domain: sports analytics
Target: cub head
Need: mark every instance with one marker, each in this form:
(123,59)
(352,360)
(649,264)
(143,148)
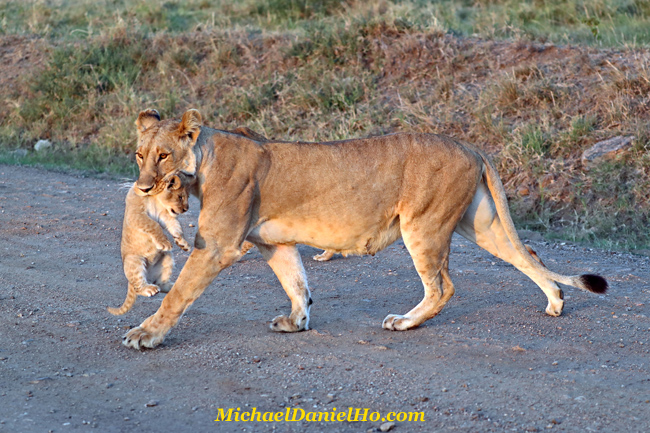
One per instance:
(165,147)
(174,197)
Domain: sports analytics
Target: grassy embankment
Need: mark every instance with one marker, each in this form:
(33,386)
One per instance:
(533,83)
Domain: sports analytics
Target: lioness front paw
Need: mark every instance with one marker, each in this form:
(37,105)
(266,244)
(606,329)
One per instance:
(287,324)
(139,338)
(149,290)
(181,242)
(397,322)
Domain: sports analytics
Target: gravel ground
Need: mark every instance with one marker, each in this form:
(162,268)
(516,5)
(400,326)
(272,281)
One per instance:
(492,361)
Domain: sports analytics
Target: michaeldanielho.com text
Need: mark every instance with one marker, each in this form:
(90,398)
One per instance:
(297,414)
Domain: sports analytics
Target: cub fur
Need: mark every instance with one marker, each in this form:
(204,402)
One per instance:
(146,251)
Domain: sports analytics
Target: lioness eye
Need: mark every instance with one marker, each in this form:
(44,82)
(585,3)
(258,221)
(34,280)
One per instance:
(138,155)
(163,156)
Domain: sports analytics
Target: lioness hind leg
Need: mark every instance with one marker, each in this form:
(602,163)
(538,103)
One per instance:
(430,254)
(482,225)
(287,265)
(324,256)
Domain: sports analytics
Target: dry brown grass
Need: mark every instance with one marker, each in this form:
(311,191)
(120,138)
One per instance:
(535,107)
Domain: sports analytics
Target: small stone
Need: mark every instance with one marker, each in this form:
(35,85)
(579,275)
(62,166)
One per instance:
(42,145)
(554,363)
(151,403)
(387,426)
(607,149)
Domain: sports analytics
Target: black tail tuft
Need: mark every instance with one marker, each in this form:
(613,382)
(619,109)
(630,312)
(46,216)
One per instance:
(594,283)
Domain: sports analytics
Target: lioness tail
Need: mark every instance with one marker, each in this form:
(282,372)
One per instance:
(590,282)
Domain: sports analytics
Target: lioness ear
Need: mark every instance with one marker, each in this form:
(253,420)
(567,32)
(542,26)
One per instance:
(146,119)
(190,125)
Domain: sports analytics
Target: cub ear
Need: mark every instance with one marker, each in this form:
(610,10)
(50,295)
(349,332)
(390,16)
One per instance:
(174,182)
(146,119)
(190,125)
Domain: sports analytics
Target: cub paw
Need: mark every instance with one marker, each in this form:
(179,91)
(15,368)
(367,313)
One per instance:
(286,324)
(164,245)
(396,322)
(139,338)
(166,287)
(149,290)
(181,242)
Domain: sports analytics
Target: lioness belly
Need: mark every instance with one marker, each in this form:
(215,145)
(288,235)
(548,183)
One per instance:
(335,236)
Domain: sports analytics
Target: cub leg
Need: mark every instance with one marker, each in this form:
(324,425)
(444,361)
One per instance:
(160,272)
(430,254)
(287,265)
(135,271)
(203,265)
(246,246)
(482,225)
(174,228)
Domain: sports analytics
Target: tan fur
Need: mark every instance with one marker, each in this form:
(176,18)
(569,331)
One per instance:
(146,256)
(352,197)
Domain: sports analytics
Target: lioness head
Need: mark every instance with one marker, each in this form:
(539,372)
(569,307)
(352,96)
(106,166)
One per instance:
(174,197)
(164,147)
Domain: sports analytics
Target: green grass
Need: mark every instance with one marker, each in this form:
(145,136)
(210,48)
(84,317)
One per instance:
(482,71)
(598,22)
(92,160)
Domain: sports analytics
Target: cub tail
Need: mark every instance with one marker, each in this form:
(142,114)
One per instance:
(128,302)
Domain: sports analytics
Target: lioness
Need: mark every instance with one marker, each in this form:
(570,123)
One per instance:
(146,256)
(354,196)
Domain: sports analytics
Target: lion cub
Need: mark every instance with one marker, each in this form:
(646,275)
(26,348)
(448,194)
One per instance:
(146,255)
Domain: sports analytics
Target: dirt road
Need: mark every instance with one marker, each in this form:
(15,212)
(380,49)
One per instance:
(491,361)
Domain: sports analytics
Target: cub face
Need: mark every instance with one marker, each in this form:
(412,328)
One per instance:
(164,147)
(175,195)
